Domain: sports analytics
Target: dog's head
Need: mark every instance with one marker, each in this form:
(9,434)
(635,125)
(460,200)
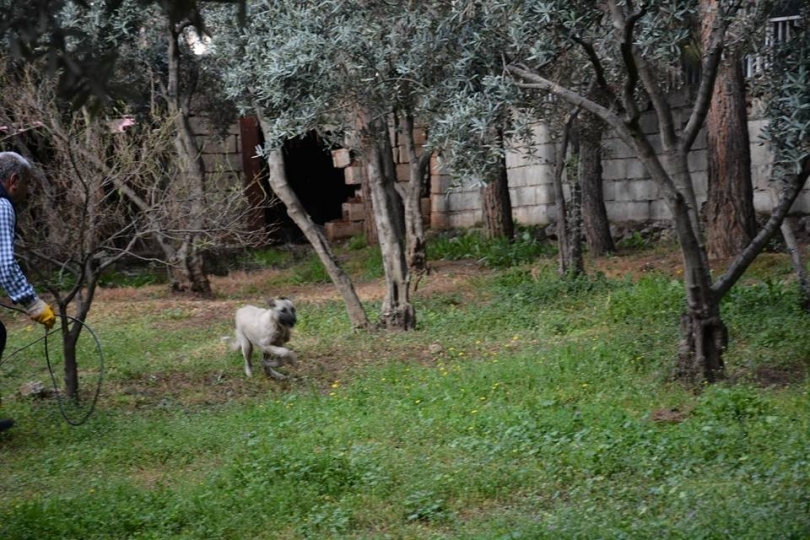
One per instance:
(284,310)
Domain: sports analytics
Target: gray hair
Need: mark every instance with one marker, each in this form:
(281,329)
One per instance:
(13,163)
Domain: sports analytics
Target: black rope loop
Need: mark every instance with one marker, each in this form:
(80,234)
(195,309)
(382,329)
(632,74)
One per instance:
(59,397)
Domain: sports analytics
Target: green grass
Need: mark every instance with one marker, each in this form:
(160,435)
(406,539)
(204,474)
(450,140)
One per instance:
(497,253)
(531,417)
(361,261)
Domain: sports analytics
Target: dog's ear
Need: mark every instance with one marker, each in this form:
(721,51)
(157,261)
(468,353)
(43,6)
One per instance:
(271,303)
(283,298)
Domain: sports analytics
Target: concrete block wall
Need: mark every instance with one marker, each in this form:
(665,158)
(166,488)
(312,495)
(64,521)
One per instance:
(630,194)
(222,155)
(531,191)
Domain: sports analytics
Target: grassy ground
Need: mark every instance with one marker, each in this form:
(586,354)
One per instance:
(523,406)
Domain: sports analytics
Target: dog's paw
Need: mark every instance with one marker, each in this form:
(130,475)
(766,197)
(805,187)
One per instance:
(291,358)
(270,372)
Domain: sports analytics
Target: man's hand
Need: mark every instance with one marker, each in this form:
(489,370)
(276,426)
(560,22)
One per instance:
(42,313)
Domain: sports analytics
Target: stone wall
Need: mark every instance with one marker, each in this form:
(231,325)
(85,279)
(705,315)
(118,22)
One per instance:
(222,155)
(630,195)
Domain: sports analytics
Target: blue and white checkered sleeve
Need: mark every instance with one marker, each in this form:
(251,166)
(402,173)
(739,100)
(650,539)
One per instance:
(11,276)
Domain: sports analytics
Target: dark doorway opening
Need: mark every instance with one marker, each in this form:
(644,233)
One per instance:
(320,187)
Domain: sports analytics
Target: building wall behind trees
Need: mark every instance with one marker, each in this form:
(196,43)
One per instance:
(630,195)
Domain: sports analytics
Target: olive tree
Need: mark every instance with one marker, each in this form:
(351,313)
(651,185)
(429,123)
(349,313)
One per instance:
(354,74)
(83,68)
(631,47)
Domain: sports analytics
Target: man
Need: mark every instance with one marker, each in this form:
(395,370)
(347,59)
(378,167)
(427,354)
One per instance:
(15,173)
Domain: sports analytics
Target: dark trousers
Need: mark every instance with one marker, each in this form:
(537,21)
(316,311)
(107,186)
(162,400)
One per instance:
(2,341)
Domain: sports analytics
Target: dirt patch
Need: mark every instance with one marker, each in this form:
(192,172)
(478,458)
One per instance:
(457,278)
(779,376)
(444,276)
(636,265)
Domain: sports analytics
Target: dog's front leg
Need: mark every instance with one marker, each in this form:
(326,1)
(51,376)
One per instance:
(274,356)
(285,355)
(268,365)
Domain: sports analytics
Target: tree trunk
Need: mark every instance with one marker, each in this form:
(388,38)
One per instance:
(193,277)
(796,258)
(798,263)
(703,334)
(563,240)
(700,353)
(412,199)
(575,262)
(83,293)
(186,270)
(397,311)
(369,226)
(498,220)
(594,214)
(729,213)
(497,205)
(279,184)
(71,367)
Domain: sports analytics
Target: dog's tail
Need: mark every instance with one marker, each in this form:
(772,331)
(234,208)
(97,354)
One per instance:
(233,344)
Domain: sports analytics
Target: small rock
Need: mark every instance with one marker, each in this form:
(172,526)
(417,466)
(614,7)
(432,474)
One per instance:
(34,389)
(435,348)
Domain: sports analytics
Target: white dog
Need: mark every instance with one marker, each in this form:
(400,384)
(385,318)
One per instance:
(267,330)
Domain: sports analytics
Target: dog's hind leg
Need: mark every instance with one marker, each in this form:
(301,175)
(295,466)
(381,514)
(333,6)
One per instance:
(247,352)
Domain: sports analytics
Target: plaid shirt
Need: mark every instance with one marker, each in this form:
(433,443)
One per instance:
(11,276)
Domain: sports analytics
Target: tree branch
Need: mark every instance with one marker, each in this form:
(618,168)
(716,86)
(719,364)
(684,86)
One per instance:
(574,98)
(590,52)
(744,259)
(709,68)
(625,27)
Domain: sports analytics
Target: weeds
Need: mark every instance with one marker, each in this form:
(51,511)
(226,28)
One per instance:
(495,253)
(525,410)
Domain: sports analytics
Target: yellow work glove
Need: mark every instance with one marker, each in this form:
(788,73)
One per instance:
(42,313)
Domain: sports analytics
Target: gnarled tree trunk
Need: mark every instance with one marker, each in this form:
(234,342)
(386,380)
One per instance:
(568,263)
(594,214)
(187,271)
(397,310)
(497,205)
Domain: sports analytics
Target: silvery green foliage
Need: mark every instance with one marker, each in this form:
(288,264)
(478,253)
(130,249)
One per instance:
(311,65)
(477,101)
(118,39)
(552,37)
(788,102)
(95,24)
(482,99)
(80,40)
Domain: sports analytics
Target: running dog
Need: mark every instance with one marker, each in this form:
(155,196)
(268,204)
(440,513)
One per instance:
(267,330)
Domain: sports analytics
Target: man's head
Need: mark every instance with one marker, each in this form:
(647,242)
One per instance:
(15,173)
